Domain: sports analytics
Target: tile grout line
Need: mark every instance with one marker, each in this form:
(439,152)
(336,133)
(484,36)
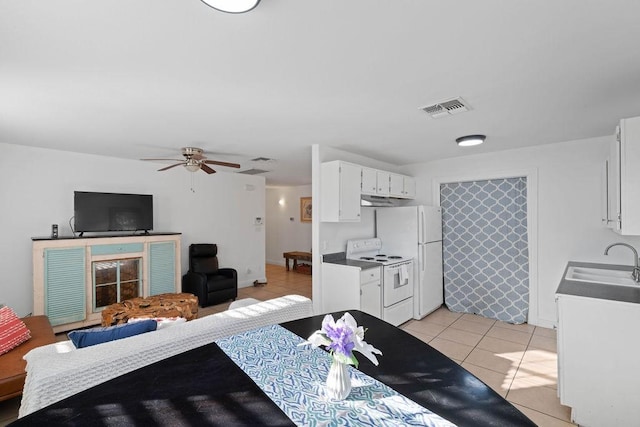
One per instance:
(520,363)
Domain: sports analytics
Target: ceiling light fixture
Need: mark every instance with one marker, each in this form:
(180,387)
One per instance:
(470,140)
(192,165)
(232,6)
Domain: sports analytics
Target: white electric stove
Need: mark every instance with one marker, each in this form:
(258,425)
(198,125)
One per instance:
(397,278)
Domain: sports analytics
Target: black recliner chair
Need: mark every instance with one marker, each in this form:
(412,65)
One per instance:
(211,284)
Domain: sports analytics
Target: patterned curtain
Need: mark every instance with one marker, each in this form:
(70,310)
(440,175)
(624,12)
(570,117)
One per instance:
(485,248)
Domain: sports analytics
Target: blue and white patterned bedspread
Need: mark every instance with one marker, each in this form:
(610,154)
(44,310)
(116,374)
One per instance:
(293,377)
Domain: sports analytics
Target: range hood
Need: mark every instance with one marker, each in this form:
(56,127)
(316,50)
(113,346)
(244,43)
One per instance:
(378,201)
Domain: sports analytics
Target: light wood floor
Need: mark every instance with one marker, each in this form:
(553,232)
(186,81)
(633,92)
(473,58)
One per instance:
(280,282)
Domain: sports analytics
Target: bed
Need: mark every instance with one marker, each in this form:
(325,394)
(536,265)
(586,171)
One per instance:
(203,386)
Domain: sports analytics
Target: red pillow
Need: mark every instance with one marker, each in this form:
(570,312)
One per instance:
(13,331)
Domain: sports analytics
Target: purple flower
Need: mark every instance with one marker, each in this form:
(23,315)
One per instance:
(341,338)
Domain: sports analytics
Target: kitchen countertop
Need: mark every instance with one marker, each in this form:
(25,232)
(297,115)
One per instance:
(629,294)
(341,259)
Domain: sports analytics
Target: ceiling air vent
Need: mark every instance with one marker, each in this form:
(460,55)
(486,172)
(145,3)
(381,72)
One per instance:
(446,108)
(260,165)
(253,171)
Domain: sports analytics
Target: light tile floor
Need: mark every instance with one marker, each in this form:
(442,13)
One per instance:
(518,361)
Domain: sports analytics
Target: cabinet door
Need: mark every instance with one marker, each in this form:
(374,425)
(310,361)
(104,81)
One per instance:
(396,185)
(64,285)
(340,191)
(629,194)
(370,300)
(613,184)
(382,182)
(350,177)
(604,197)
(162,268)
(409,187)
(595,353)
(340,288)
(369,181)
(402,186)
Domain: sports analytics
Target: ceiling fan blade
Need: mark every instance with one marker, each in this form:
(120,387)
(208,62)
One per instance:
(206,168)
(172,166)
(215,162)
(173,160)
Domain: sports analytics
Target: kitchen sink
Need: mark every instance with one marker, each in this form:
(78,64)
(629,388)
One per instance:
(601,275)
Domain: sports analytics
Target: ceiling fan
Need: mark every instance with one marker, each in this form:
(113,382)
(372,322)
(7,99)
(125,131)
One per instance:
(195,160)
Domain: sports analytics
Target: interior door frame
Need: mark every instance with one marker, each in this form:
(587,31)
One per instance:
(531,174)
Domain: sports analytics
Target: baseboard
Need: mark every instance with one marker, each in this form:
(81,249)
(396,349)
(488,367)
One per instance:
(249,282)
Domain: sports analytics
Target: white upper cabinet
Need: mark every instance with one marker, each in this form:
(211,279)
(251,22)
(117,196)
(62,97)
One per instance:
(386,184)
(340,190)
(623,183)
(607,212)
(343,183)
(402,186)
(382,181)
(369,181)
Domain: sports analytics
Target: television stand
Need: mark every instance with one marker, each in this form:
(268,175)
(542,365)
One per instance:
(60,278)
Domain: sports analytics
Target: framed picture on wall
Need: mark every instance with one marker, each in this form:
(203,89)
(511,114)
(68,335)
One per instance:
(305,209)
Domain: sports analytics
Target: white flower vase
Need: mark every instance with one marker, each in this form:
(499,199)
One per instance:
(338,384)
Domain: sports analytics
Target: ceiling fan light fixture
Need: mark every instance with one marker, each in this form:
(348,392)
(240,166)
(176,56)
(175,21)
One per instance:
(470,140)
(192,165)
(195,160)
(232,6)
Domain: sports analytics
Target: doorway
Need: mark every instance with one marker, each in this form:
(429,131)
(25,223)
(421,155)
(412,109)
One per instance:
(486,248)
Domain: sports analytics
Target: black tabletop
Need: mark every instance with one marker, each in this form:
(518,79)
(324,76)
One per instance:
(203,387)
(424,375)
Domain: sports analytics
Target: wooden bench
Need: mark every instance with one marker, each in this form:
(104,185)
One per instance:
(296,256)
(12,371)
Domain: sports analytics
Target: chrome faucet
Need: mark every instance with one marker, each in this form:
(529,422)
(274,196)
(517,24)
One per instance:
(636,268)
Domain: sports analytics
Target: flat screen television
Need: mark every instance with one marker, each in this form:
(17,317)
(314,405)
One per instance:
(112,212)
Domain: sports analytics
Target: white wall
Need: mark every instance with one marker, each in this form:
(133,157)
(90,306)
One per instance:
(284,230)
(569,213)
(36,186)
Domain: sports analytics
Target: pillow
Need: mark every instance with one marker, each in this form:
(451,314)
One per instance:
(163,322)
(89,337)
(13,331)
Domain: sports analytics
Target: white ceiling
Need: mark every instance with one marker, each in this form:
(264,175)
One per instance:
(142,78)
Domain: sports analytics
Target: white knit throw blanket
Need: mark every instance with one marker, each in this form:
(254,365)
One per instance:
(53,375)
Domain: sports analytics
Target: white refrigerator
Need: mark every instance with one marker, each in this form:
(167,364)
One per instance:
(416,232)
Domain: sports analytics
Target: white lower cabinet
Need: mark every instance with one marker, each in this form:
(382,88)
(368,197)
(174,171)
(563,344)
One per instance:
(598,360)
(350,288)
(370,292)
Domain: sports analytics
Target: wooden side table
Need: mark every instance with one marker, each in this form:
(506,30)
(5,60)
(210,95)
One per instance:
(296,256)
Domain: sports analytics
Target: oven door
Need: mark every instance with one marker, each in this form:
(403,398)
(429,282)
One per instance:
(397,282)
